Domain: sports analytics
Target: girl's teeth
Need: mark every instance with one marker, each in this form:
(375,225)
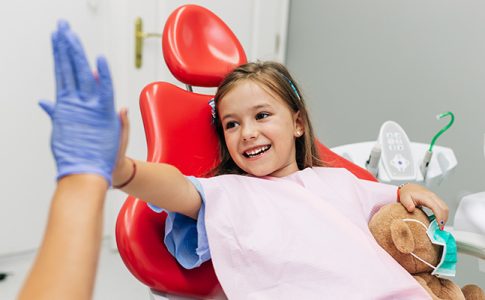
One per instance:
(257,151)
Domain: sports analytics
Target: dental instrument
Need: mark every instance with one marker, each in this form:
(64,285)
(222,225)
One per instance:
(372,163)
(429,153)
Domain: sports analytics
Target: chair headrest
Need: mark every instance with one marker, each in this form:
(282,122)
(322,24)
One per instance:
(199,48)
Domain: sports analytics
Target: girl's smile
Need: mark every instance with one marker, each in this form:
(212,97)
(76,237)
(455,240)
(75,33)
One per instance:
(259,130)
(256,152)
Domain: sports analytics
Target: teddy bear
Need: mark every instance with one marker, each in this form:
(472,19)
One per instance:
(399,237)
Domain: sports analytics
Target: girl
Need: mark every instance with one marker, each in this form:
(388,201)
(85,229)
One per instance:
(279,224)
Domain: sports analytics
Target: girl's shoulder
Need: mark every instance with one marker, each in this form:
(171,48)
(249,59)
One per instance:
(331,171)
(321,172)
(360,174)
(229,178)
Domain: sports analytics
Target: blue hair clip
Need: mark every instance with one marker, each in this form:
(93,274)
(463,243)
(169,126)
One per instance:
(294,90)
(212,104)
(292,87)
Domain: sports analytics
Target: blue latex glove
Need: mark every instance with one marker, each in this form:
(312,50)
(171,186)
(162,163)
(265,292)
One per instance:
(86,127)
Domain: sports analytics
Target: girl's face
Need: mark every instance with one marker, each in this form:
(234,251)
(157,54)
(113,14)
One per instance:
(259,130)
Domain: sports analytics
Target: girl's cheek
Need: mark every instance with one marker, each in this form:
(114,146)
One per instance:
(229,140)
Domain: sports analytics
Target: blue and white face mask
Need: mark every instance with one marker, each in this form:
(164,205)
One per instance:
(447,263)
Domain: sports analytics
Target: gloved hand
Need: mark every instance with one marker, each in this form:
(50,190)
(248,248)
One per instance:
(86,128)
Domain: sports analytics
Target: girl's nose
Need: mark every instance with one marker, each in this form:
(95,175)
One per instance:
(249,132)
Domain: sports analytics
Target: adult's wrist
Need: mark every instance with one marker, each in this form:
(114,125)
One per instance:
(81,181)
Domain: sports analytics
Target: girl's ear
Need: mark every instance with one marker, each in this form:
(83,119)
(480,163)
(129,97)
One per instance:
(299,128)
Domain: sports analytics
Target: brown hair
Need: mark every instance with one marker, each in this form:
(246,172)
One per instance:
(276,78)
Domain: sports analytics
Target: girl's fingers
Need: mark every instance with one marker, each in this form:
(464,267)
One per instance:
(125,132)
(442,218)
(414,195)
(408,203)
(437,206)
(121,158)
(433,202)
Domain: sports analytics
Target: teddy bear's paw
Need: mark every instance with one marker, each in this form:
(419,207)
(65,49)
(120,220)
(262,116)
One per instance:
(424,280)
(473,292)
(441,288)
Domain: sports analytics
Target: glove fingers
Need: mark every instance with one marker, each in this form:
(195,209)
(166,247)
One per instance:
(64,74)
(105,83)
(48,107)
(82,72)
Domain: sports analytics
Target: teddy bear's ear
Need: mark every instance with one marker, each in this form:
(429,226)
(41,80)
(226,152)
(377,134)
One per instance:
(402,236)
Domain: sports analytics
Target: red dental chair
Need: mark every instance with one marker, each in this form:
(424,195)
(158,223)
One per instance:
(199,50)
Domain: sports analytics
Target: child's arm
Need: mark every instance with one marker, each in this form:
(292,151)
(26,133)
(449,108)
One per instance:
(160,184)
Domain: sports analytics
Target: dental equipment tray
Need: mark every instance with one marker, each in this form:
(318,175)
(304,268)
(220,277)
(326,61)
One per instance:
(442,163)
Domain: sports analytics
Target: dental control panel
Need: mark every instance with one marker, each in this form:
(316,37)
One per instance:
(394,159)
(396,155)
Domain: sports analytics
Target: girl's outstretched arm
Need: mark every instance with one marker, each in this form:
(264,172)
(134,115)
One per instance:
(160,184)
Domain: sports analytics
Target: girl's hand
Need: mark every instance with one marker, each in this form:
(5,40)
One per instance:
(123,166)
(413,195)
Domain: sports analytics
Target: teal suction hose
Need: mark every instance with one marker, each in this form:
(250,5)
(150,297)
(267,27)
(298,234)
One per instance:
(440,116)
(429,153)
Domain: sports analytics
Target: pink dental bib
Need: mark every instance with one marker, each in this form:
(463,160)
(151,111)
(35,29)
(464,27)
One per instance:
(304,236)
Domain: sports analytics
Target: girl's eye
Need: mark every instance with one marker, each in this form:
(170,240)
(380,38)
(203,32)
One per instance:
(231,124)
(262,115)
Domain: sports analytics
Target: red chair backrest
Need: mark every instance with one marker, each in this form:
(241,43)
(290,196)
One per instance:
(199,48)
(179,131)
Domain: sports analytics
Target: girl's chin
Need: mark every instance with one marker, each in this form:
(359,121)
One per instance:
(258,172)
